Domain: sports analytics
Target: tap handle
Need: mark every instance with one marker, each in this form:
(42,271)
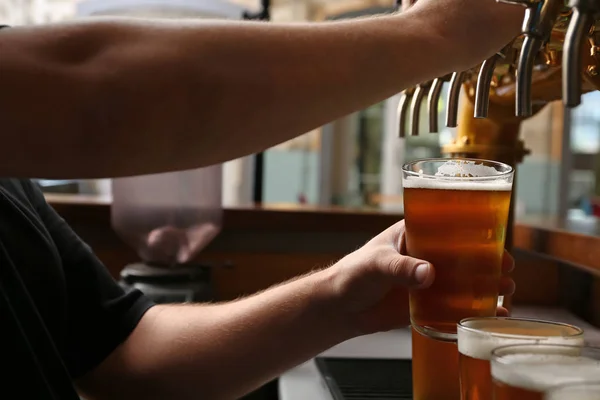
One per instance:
(415,107)
(484,84)
(453,96)
(433,100)
(403,107)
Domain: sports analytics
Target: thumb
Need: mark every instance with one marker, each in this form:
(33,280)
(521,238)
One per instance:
(405,270)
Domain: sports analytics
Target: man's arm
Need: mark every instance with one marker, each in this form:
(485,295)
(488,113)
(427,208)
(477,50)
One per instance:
(221,352)
(112,98)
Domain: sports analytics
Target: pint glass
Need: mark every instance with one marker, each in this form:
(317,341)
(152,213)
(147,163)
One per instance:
(477,337)
(527,371)
(575,391)
(456,211)
(434,369)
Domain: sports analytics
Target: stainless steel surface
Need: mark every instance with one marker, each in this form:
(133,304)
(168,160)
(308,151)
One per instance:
(581,20)
(453,98)
(531,47)
(540,17)
(433,99)
(415,107)
(403,107)
(484,83)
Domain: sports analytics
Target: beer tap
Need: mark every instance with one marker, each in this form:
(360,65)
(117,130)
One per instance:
(403,107)
(484,84)
(537,27)
(581,21)
(415,107)
(453,97)
(433,100)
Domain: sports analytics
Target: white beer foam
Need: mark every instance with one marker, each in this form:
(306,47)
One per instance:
(415,182)
(540,372)
(458,174)
(575,392)
(465,168)
(482,336)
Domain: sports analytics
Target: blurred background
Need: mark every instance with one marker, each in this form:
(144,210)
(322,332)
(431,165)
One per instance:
(355,161)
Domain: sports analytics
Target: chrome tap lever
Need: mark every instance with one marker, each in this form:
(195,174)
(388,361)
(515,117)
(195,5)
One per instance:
(581,20)
(540,17)
(484,84)
(433,99)
(403,107)
(415,107)
(453,97)
(531,46)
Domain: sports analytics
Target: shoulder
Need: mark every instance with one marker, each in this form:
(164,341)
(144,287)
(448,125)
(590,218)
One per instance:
(17,187)
(23,191)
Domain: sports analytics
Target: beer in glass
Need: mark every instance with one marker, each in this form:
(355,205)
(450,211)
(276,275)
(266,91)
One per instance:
(575,391)
(456,211)
(528,371)
(477,337)
(434,369)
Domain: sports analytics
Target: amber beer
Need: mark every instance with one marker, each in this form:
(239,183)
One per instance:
(456,211)
(575,391)
(477,337)
(435,369)
(528,371)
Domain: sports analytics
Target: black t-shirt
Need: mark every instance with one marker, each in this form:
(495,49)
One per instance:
(61,313)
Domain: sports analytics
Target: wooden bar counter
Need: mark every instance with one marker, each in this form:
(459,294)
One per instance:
(558,262)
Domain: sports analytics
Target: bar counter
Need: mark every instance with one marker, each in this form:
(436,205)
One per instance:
(558,262)
(568,241)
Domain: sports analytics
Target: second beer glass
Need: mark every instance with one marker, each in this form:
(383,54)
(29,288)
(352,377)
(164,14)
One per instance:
(575,391)
(478,337)
(527,372)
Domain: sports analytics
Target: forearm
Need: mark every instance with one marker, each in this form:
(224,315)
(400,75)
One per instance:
(122,97)
(222,351)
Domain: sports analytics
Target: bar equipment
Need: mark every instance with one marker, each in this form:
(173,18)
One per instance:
(555,57)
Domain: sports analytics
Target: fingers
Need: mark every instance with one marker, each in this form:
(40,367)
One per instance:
(394,236)
(507,286)
(405,270)
(502,312)
(508,263)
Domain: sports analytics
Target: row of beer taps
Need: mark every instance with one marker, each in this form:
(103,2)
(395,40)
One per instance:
(553,33)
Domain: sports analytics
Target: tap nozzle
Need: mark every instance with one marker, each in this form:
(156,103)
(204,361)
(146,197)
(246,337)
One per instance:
(453,97)
(403,107)
(484,83)
(540,17)
(415,107)
(531,46)
(581,20)
(433,100)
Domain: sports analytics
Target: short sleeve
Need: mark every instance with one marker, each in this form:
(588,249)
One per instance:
(100,313)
